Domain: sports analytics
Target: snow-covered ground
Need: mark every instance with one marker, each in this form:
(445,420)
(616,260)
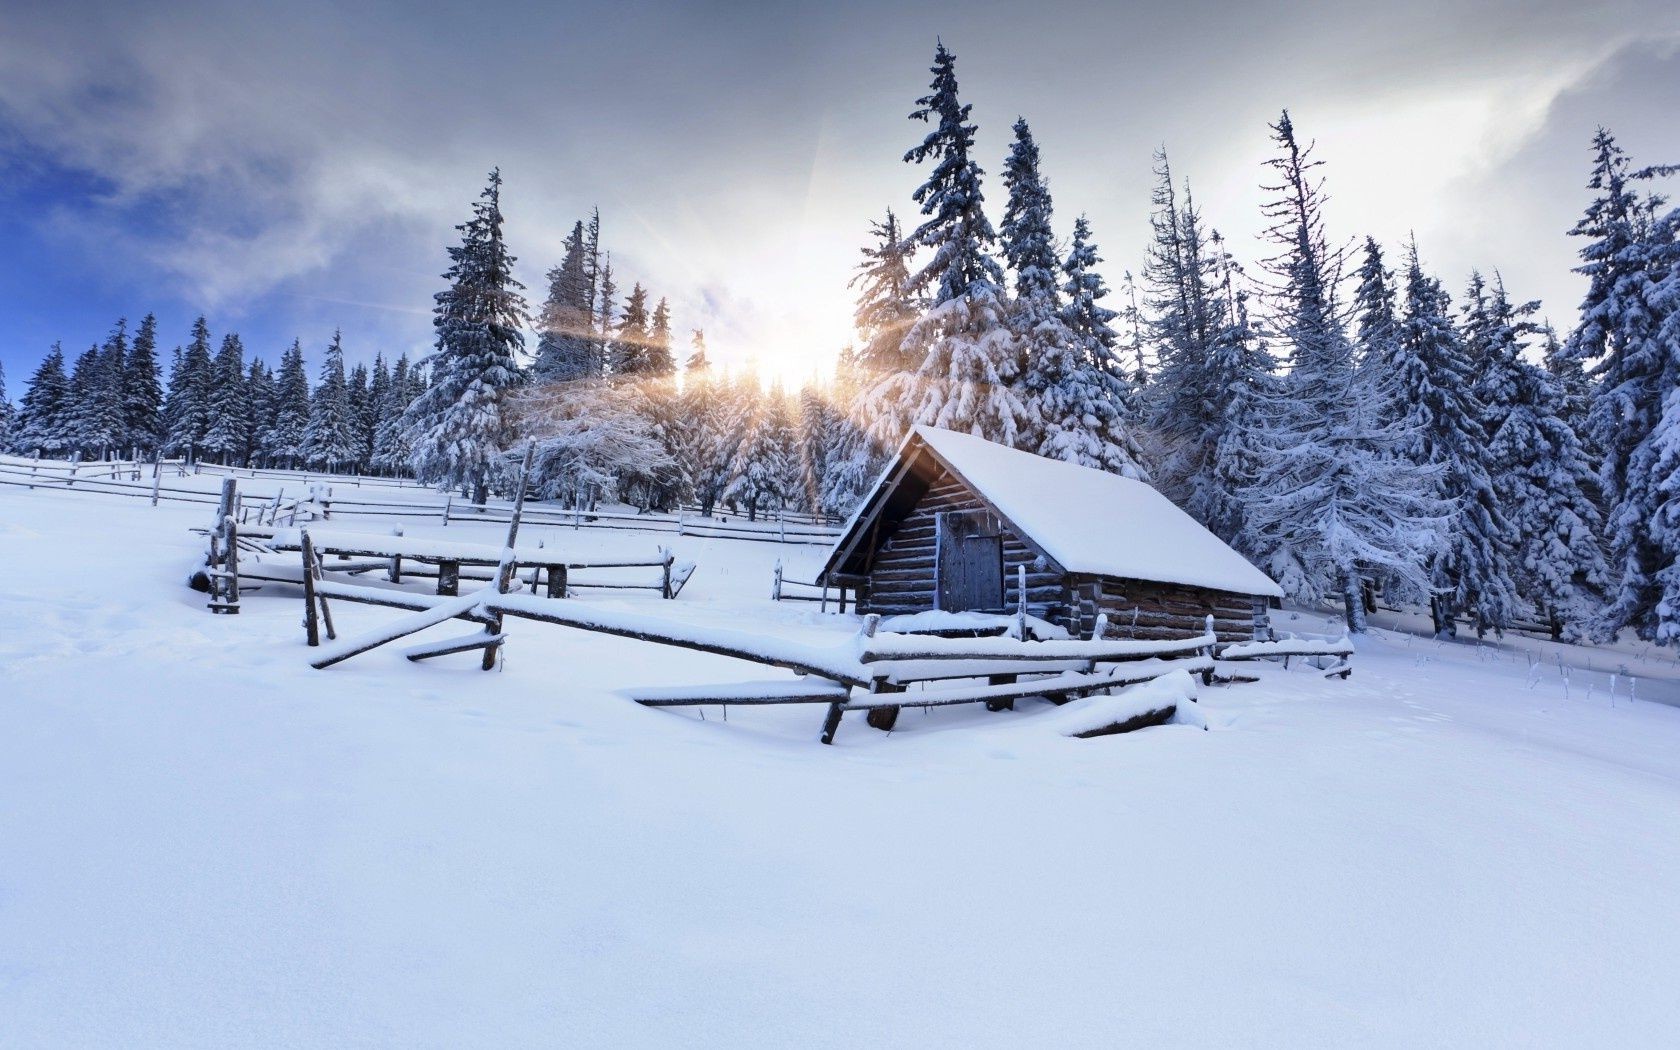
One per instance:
(205,843)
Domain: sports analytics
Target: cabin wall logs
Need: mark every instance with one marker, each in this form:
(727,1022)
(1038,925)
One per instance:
(902,580)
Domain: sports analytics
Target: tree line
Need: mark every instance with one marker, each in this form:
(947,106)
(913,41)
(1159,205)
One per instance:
(1336,415)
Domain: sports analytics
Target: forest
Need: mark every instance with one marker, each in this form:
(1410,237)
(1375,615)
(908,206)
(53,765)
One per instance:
(1330,409)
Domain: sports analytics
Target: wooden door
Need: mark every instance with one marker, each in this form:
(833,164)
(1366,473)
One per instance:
(970,563)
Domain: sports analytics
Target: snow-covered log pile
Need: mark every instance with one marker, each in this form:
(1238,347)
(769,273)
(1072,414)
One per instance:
(1171,697)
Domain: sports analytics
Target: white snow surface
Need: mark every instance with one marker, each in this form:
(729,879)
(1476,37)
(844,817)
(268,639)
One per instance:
(1092,521)
(206,843)
(1176,689)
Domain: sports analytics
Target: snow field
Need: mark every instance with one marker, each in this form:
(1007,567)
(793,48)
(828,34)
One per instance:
(203,842)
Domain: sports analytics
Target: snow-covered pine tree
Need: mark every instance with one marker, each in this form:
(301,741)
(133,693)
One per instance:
(108,422)
(815,441)
(885,307)
(630,340)
(659,359)
(1088,418)
(461,422)
(1208,364)
(853,461)
(766,476)
(43,423)
(261,391)
(142,392)
(390,451)
(359,388)
(1540,472)
(8,414)
(713,421)
(329,441)
(605,320)
(229,432)
(374,407)
(1619,339)
(1329,502)
(186,407)
(1664,241)
(565,327)
(969,362)
(95,407)
(1470,571)
(284,439)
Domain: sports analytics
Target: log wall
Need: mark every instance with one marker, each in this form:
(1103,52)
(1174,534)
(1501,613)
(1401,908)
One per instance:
(902,576)
(1145,609)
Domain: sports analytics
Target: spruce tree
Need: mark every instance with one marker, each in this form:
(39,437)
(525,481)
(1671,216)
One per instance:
(229,431)
(1540,471)
(142,392)
(1620,339)
(659,360)
(1208,370)
(87,396)
(330,440)
(969,361)
(565,336)
(1470,572)
(285,437)
(462,421)
(8,415)
(605,320)
(767,467)
(1330,502)
(187,404)
(629,356)
(262,393)
(43,422)
(885,307)
(374,406)
(853,461)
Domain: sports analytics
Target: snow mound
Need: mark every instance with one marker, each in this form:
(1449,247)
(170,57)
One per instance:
(1130,708)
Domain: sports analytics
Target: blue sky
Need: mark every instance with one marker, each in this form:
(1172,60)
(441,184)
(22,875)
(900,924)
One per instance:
(296,169)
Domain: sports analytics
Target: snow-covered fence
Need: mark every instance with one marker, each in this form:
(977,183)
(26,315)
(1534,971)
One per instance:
(1285,649)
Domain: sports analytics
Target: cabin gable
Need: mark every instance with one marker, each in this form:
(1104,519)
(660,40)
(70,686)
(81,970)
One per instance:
(903,567)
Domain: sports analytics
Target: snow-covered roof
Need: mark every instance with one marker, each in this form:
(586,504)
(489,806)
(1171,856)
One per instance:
(1090,521)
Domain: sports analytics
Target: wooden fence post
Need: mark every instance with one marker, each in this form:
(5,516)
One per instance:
(504,571)
(157,476)
(396,559)
(448,498)
(665,582)
(311,626)
(776,583)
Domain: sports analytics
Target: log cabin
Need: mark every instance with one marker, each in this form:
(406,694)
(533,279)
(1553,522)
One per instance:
(955,519)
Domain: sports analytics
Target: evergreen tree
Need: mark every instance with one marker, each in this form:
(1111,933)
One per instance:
(630,341)
(698,364)
(1209,368)
(229,431)
(102,420)
(606,294)
(659,360)
(284,441)
(359,393)
(885,307)
(1330,502)
(767,467)
(43,422)
(87,400)
(461,421)
(1084,399)
(969,360)
(142,393)
(565,327)
(815,442)
(1541,474)
(186,406)
(374,408)
(1471,570)
(390,450)
(262,393)
(853,460)
(8,415)
(1620,339)
(330,440)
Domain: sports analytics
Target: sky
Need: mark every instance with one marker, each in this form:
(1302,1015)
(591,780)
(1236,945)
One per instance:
(291,169)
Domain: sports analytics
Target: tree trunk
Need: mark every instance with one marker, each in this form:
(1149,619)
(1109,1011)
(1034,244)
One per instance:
(1353,602)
